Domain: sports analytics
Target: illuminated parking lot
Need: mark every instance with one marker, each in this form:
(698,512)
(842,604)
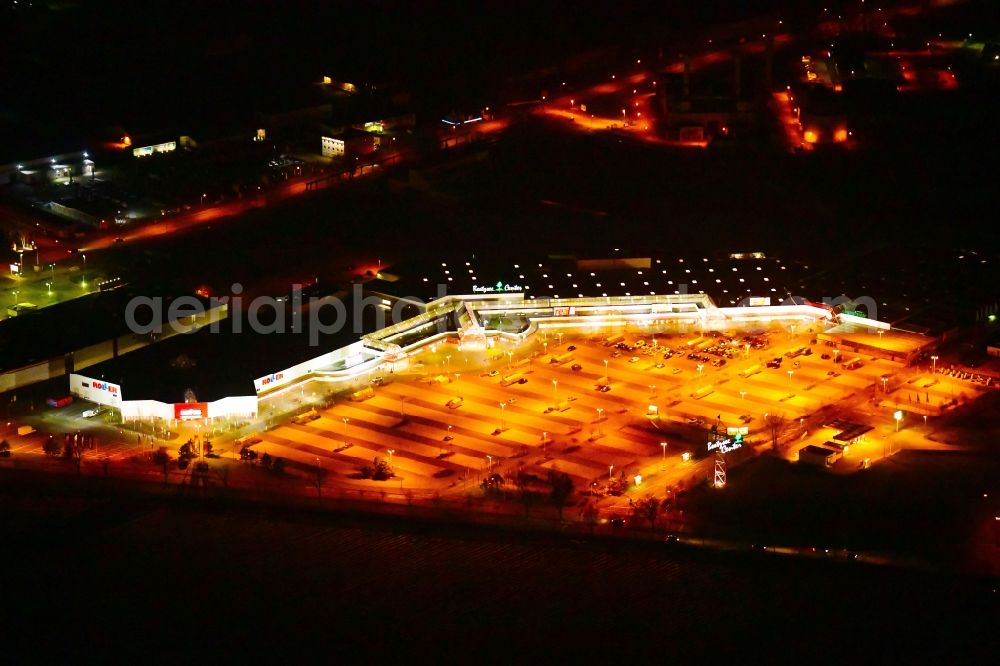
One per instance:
(454,415)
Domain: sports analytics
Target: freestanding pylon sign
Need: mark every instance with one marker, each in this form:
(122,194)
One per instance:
(722,445)
(720,471)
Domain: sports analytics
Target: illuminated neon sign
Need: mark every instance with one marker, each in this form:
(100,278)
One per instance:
(499,287)
(272,378)
(186,411)
(726,445)
(103,386)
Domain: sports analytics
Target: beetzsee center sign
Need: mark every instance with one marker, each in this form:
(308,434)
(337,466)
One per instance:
(497,288)
(726,445)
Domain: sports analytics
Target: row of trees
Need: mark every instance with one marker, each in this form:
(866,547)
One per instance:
(556,488)
(274,463)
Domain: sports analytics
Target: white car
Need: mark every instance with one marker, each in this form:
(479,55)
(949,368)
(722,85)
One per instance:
(634,359)
(90,413)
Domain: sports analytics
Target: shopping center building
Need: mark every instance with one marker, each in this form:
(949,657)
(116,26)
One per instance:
(231,376)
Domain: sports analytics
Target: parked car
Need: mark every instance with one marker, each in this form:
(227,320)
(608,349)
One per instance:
(576,367)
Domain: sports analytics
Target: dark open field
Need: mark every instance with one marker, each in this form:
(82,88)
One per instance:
(145,580)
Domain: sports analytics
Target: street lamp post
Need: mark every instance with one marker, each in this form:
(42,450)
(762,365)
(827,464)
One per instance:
(743,395)
(663,445)
(489,467)
(503,407)
(934,363)
(390,452)
(790,373)
(898,415)
(610,468)
(555,389)
(85,270)
(447,360)
(885,384)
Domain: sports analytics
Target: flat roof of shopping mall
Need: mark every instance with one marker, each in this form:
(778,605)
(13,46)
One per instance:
(216,365)
(894,341)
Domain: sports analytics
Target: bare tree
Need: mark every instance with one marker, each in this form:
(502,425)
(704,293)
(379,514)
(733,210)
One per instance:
(775,424)
(562,488)
(647,509)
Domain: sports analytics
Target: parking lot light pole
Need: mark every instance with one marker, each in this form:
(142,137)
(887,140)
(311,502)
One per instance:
(899,417)
(663,445)
(610,468)
(555,389)
(934,363)
(503,407)
(790,373)
(743,395)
